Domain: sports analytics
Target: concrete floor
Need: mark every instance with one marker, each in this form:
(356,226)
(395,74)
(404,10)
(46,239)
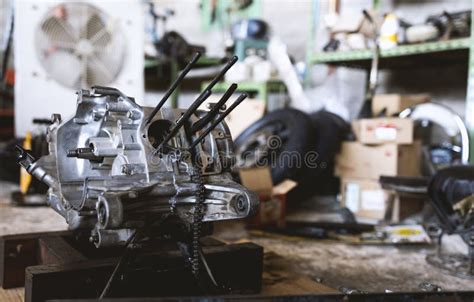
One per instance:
(368,268)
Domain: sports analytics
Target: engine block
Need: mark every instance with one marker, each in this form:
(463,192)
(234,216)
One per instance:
(111,170)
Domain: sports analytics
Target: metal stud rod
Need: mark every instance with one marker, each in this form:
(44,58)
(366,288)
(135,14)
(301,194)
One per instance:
(237,102)
(200,99)
(173,87)
(186,115)
(214,111)
(219,76)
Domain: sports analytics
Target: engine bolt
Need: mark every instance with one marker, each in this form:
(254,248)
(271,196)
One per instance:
(134,114)
(241,204)
(94,238)
(97,115)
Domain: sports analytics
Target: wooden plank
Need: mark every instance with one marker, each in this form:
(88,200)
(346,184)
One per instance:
(286,286)
(55,250)
(18,252)
(292,284)
(386,297)
(12,295)
(163,273)
(275,283)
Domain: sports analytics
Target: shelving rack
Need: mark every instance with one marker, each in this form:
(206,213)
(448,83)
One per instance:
(261,89)
(450,51)
(456,51)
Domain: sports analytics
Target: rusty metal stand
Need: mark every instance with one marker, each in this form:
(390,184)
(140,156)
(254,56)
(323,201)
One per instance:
(64,265)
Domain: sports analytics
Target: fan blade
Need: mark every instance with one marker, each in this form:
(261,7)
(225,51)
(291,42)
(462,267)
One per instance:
(56,29)
(64,67)
(83,21)
(100,73)
(84,83)
(97,32)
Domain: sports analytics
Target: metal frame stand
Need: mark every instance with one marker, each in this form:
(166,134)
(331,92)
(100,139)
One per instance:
(64,265)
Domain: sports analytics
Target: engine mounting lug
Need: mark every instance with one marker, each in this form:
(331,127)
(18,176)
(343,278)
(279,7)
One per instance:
(97,115)
(134,115)
(241,203)
(55,118)
(120,107)
(80,121)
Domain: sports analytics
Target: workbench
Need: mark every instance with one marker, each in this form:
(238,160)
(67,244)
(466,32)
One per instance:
(293,265)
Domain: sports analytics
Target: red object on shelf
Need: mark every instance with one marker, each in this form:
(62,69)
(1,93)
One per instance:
(8,112)
(10,77)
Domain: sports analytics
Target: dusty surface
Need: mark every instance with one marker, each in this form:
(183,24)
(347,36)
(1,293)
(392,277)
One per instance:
(368,268)
(14,220)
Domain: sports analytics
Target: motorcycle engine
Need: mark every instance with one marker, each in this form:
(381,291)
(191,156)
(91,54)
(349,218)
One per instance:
(112,171)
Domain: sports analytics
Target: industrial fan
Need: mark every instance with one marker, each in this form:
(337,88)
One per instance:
(63,46)
(85,39)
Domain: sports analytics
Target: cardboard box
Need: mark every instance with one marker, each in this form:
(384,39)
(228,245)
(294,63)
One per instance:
(357,160)
(405,206)
(272,208)
(369,202)
(377,131)
(365,198)
(241,117)
(395,103)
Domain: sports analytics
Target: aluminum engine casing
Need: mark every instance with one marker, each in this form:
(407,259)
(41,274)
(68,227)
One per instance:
(105,174)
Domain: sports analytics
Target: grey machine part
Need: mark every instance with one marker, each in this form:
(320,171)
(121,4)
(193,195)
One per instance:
(445,128)
(115,166)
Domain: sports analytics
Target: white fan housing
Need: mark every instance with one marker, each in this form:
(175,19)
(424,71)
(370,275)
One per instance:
(63,46)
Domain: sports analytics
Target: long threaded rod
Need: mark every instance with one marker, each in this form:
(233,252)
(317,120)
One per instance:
(214,111)
(182,120)
(219,76)
(237,102)
(200,99)
(173,87)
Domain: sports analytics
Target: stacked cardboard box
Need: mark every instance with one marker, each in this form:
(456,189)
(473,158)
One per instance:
(272,207)
(383,146)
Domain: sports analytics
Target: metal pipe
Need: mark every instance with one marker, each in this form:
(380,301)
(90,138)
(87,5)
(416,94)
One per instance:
(200,99)
(194,106)
(219,76)
(214,111)
(173,87)
(28,162)
(237,102)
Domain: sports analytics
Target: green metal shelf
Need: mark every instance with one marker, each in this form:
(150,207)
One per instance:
(203,61)
(432,54)
(397,57)
(262,89)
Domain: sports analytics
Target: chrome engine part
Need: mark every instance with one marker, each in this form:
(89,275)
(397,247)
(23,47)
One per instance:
(115,166)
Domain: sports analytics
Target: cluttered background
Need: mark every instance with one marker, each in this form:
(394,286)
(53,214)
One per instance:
(355,136)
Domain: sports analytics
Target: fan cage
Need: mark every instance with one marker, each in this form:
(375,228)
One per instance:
(79,45)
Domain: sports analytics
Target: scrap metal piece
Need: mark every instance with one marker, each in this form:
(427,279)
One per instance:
(429,287)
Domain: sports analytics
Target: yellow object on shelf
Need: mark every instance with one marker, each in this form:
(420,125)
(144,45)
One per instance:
(25,177)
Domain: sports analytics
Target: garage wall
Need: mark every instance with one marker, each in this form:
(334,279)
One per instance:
(290,20)
(343,88)
(447,85)
(287,19)
(4,5)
